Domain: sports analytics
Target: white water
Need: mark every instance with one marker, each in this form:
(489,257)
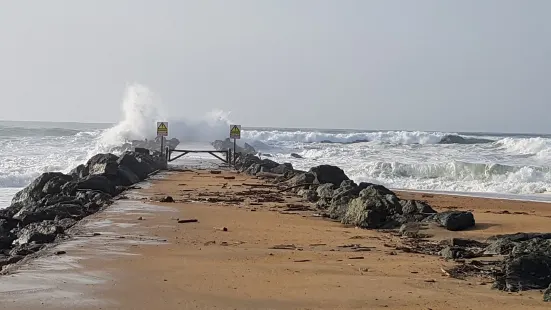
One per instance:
(512,165)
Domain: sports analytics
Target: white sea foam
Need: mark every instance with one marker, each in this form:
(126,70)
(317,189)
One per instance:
(395,137)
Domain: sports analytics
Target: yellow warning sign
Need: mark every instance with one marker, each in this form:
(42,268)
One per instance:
(235,131)
(162,129)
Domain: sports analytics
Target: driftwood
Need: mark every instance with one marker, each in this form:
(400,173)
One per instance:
(258,185)
(295,186)
(188,221)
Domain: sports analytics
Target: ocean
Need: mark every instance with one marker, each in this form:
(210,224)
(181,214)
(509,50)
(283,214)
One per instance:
(514,166)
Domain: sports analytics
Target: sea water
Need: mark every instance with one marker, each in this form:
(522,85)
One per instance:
(506,165)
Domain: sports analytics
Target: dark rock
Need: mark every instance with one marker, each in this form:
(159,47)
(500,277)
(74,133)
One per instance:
(253,169)
(529,271)
(103,164)
(140,168)
(455,220)
(461,242)
(54,185)
(373,209)
(414,207)
(268,164)
(282,169)
(39,213)
(126,176)
(43,232)
(9,260)
(531,246)
(308,195)
(245,161)
(325,191)
(302,178)
(342,196)
(454,252)
(25,249)
(328,174)
(67,223)
(34,192)
(79,172)
(295,155)
(518,237)
(142,150)
(97,183)
(504,244)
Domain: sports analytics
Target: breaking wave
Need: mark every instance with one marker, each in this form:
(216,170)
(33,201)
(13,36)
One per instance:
(142,109)
(393,137)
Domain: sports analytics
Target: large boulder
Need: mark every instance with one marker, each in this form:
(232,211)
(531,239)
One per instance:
(36,190)
(245,161)
(373,209)
(267,165)
(283,168)
(328,174)
(103,164)
(342,196)
(133,162)
(301,180)
(126,177)
(504,244)
(415,211)
(79,172)
(325,193)
(454,220)
(97,183)
(40,213)
(43,232)
(525,272)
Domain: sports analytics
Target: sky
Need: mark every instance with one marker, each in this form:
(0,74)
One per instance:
(469,65)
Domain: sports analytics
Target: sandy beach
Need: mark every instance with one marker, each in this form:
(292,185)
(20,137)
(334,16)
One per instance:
(247,251)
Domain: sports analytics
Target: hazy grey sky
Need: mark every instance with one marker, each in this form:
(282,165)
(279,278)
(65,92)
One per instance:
(427,65)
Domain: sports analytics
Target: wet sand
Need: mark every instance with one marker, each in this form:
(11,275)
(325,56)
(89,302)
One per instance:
(135,255)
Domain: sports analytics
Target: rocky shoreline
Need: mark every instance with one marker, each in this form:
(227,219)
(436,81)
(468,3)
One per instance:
(515,262)
(43,212)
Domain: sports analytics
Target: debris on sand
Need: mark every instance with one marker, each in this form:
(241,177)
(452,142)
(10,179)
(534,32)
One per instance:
(166,199)
(188,221)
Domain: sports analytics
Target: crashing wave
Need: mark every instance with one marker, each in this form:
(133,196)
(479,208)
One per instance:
(394,137)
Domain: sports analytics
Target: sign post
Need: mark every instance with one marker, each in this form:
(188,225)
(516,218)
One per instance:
(235,133)
(162,132)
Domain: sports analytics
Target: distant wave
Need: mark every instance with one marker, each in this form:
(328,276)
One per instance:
(6,131)
(395,137)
